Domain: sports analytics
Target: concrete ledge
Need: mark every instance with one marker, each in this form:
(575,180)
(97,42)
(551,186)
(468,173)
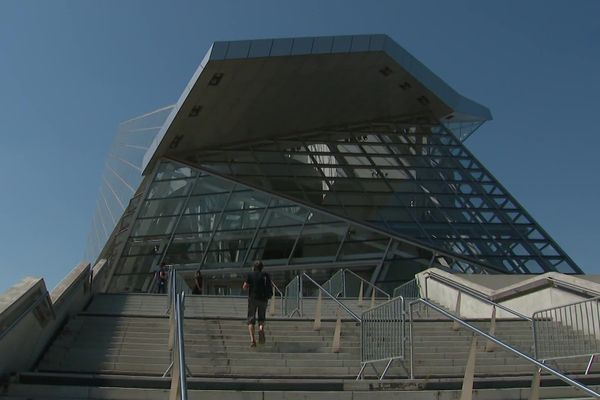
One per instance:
(80,274)
(18,294)
(527,296)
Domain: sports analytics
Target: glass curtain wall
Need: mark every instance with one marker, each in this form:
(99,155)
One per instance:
(196,220)
(416,181)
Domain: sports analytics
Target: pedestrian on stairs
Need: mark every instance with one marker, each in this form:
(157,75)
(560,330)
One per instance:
(260,290)
(197,283)
(162,276)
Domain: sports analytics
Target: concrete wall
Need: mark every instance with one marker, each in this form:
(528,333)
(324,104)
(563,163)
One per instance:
(526,296)
(30,316)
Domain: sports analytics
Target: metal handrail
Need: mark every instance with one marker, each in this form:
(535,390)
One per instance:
(572,286)
(473,293)
(179,301)
(367,282)
(349,311)
(498,342)
(171,290)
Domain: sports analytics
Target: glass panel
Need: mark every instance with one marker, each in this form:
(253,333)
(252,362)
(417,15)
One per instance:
(240,219)
(178,187)
(167,171)
(361,244)
(206,203)
(285,216)
(247,199)
(210,184)
(197,223)
(163,207)
(274,244)
(188,248)
(153,226)
(230,246)
(319,242)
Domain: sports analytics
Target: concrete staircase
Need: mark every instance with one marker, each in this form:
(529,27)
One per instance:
(214,306)
(117,349)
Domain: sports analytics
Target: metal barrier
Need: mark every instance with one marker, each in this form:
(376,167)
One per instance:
(408,290)
(383,334)
(364,281)
(281,296)
(338,284)
(292,297)
(495,340)
(568,331)
(331,296)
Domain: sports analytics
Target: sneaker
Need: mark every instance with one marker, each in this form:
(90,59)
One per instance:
(261,337)
(253,344)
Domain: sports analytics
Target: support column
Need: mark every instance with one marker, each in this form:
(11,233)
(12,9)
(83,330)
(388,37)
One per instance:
(360,294)
(317,323)
(372,298)
(336,345)
(534,392)
(467,388)
(456,325)
(490,346)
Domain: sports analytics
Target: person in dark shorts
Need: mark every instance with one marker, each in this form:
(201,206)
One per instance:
(162,277)
(260,290)
(197,283)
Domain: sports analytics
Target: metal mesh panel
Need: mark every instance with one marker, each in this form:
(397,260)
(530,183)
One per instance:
(382,332)
(335,284)
(408,290)
(291,299)
(568,331)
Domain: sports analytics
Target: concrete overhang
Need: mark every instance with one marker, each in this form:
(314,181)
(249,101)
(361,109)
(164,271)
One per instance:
(256,89)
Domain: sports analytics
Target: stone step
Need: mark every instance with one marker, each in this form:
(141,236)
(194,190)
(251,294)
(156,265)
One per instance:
(54,392)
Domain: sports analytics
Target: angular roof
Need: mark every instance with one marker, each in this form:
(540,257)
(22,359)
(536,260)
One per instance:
(254,89)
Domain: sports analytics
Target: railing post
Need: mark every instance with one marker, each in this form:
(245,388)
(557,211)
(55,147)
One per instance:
(410,338)
(175,393)
(336,345)
(272,305)
(360,294)
(171,334)
(372,298)
(300,298)
(455,325)
(317,323)
(534,392)
(589,364)
(490,346)
(467,387)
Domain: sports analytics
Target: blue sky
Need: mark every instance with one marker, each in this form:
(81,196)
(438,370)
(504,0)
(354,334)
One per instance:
(70,71)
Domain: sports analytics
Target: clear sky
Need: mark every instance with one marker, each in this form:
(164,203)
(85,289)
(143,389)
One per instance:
(70,71)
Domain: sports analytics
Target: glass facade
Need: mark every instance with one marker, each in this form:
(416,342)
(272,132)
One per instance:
(413,181)
(307,185)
